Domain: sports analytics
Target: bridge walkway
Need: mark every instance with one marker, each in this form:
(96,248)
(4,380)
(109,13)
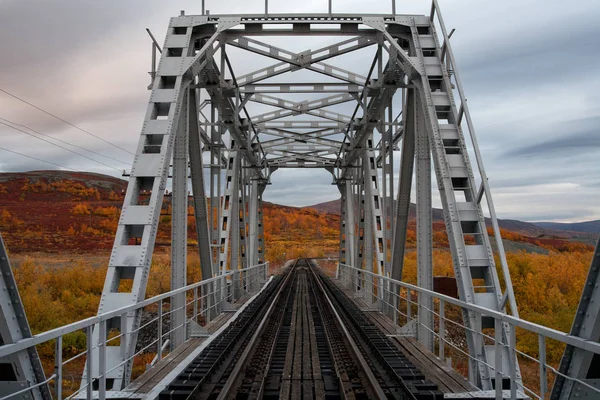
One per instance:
(448,380)
(158,375)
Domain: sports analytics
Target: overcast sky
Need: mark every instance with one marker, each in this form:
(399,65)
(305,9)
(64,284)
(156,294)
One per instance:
(529,69)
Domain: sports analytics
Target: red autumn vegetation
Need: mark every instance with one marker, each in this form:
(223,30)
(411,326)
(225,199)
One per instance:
(48,219)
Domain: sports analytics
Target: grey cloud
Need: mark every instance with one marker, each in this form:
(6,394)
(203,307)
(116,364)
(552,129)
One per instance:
(301,187)
(558,215)
(527,179)
(503,53)
(572,144)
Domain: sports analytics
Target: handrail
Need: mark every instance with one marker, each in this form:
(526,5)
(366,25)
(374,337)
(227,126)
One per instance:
(23,344)
(575,341)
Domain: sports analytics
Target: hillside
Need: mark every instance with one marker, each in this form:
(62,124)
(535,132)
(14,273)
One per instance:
(53,211)
(587,226)
(57,211)
(586,232)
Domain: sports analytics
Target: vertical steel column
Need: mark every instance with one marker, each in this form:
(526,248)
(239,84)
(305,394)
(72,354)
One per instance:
(368,230)
(343,246)
(243,234)
(387,194)
(424,231)
(360,206)
(350,223)
(261,229)
(232,183)
(244,221)
(179,226)
(215,185)
(374,204)
(402,210)
(252,243)
(201,213)
(235,226)
(404,187)
(199,198)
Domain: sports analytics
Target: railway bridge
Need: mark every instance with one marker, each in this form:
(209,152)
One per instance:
(218,126)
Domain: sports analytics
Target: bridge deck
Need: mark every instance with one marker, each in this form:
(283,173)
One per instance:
(447,379)
(149,379)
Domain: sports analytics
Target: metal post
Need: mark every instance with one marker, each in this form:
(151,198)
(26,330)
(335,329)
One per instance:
(159,330)
(498,359)
(234,220)
(195,317)
(124,336)
(403,198)
(407,162)
(102,360)
(179,228)
(201,214)
(236,284)
(442,327)
(261,224)
(267,266)
(408,306)
(252,242)
(368,237)
(513,361)
(215,186)
(387,195)
(424,231)
(89,344)
(343,247)
(244,192)
(58,360)
(543,368)
(350,225)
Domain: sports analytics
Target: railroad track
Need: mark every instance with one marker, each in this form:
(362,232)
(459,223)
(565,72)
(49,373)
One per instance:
(302,338)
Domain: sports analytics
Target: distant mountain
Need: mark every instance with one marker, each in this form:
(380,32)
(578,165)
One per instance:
(587,226)
(539,230)
(330,207)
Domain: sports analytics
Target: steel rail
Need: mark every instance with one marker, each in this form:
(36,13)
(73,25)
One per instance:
(235,374)
(361,360)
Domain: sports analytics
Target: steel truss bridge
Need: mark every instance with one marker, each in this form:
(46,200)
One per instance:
(239,333)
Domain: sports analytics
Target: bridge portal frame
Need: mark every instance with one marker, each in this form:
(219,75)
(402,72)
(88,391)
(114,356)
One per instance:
(412,59)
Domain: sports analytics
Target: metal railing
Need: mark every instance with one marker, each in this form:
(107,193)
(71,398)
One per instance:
(204,299)
(399,297)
